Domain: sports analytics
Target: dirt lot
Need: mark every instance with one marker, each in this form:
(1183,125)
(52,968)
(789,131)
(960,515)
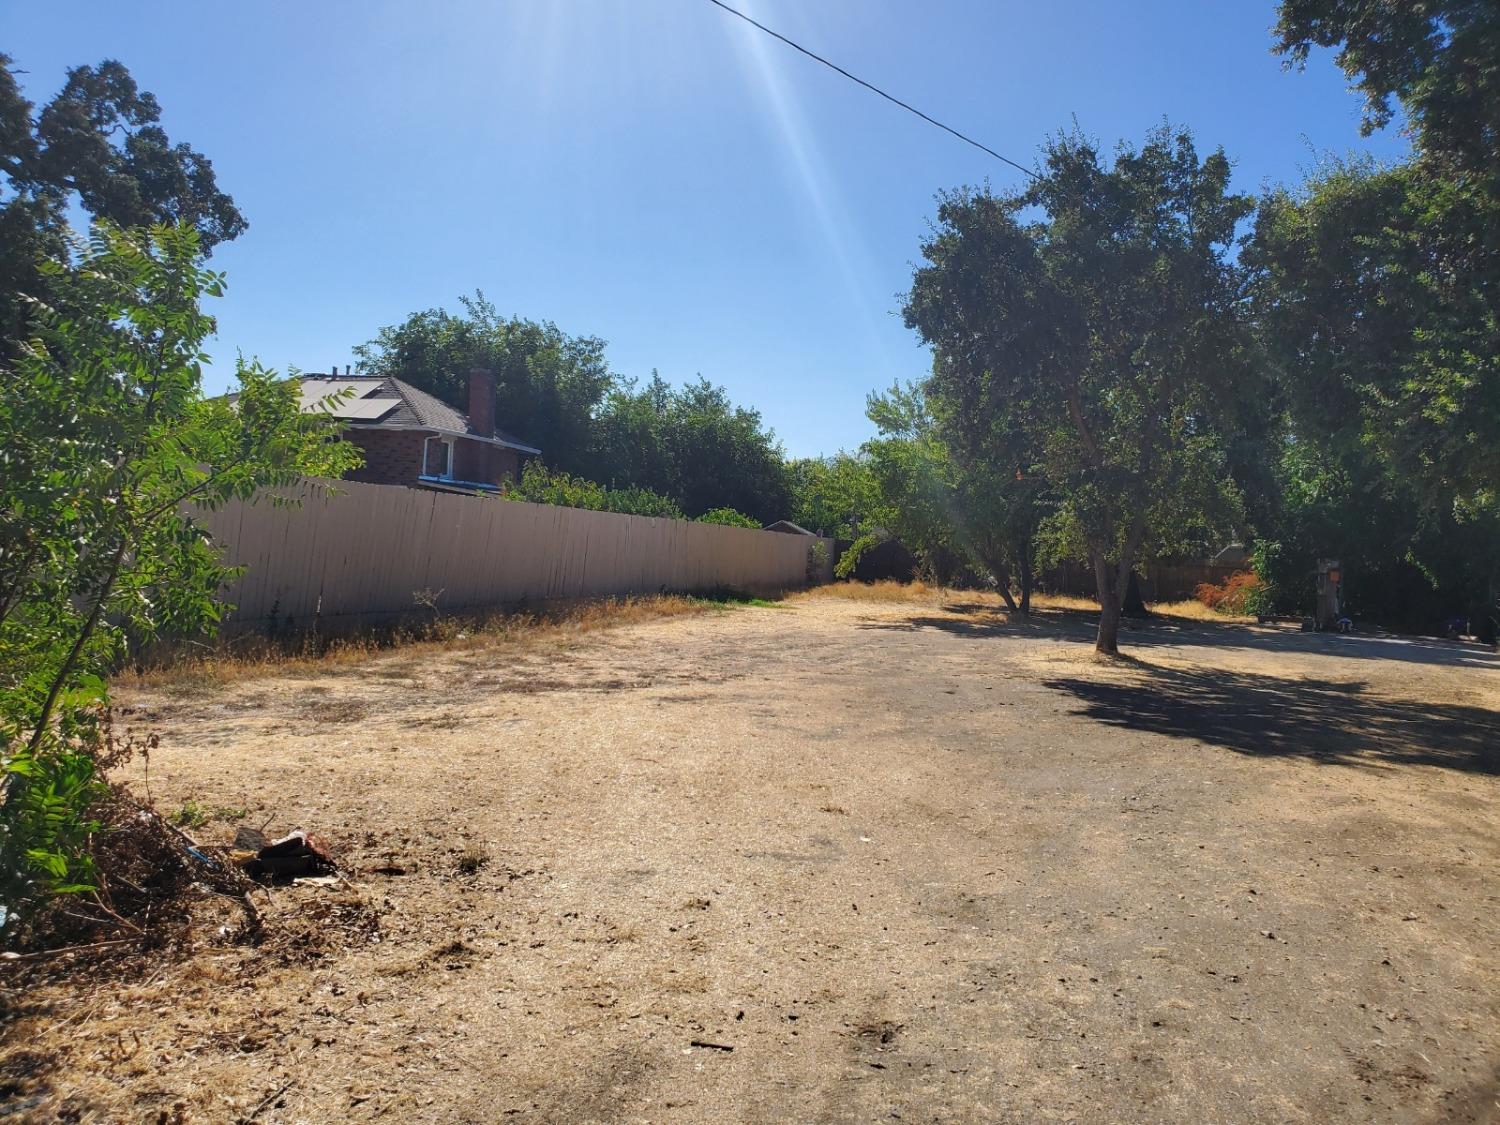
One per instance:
(836,860)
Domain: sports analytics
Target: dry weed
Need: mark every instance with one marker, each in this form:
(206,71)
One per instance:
(556,626)
(884,591)
(922,593)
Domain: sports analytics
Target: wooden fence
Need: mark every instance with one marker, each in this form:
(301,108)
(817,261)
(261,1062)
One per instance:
(1160,582)
(375,552)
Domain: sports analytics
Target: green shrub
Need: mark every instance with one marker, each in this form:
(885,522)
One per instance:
(107,446)
(540,485)
(729,518)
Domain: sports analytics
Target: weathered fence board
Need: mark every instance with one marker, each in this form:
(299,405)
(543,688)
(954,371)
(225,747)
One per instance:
(372,552)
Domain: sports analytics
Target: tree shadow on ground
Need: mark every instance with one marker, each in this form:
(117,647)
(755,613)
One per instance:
(1267,716)
(1079,625)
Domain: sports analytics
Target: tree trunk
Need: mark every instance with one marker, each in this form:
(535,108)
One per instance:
(1000,575)
(1134,605)
(1002,583)
(1027,578)
(1108,640)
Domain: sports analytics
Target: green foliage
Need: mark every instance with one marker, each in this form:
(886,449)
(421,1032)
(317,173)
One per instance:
(46,826)
(949,503)
(729,518)
(726,598)
(540,485)
(1382,323)
(96,145)
(557,392)
(836,496)
(693,444)
(548,385)
(1439,58)
(190,815)
(817,561)
(106,446)
(1378,290)
(1406,564)
(849,559)
(1093,321)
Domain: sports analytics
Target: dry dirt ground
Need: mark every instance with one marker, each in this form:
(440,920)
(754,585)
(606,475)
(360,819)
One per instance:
(835,860)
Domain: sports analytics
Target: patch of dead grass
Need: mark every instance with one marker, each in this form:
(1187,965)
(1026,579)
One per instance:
(925,594)
(558,627)
(1187,610)
(884,591)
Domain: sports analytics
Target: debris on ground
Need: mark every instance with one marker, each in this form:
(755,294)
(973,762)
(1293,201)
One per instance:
(297,855)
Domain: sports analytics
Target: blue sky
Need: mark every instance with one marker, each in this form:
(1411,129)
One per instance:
(656,172)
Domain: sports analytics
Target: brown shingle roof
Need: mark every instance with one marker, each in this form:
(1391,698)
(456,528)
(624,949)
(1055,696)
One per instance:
(409,407)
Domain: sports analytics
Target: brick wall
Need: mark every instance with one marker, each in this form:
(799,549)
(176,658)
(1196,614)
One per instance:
(395,457)
(484,464)
(391,456)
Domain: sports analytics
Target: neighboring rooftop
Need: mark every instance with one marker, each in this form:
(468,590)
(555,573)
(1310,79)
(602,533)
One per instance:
(385,401)
(786,527)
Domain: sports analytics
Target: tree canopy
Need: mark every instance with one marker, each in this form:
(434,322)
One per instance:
(98,144)
(837,495)
(960,510)
(1095,315)
(691,443)
(557,392)
(548,384)
(1440,59)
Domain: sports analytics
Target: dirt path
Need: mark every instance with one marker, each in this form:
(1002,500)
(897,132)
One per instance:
(907,861)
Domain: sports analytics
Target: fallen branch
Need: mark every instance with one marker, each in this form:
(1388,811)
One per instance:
(44,953)
(267,1100)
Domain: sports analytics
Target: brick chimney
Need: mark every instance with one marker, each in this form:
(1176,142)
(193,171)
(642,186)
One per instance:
(482,401)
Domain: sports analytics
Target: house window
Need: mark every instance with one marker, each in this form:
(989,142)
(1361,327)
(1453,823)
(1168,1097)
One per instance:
(437,458)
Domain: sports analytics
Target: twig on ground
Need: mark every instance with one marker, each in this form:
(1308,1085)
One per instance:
(42,954)
(266,1101)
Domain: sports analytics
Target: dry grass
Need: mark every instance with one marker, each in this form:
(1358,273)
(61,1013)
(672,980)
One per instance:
(886,591)
(922,593)
(246,658)
(257,657)
(1188,610)
(1194,610)
(749,812)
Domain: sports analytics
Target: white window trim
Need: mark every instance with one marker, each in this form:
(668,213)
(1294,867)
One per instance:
(447,473)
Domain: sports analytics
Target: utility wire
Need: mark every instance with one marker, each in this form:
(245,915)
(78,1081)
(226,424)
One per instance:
(874,89)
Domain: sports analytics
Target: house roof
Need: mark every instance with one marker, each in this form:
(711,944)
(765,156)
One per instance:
(786,527)
(385,402)
(1233,555)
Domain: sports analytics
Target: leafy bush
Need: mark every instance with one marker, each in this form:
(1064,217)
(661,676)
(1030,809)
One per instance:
(817,561)
(540,485)
(849,560)
(106,445)
(1239,594)
(729,518)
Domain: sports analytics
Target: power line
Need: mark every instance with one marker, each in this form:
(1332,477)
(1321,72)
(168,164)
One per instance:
(874,89)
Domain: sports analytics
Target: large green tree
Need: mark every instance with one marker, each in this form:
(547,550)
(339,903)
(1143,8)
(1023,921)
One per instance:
(1378,292)
(837,495)
(1096,314)
(1378,295)
(548,385)
(97,145)
(1380,287)
(953,501)
(1439,59)
(691,443)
